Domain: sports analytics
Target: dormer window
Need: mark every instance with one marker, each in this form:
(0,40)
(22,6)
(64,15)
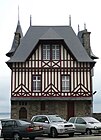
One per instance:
(55,52)
(46,52)
(51,52)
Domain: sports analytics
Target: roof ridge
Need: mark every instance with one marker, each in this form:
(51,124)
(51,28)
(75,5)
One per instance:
(50,26)
(51,34)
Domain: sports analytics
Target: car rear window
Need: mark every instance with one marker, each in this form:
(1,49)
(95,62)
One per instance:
(91,120)
(24,122)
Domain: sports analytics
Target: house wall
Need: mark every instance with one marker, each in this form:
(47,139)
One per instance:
(80,85)
(51,72)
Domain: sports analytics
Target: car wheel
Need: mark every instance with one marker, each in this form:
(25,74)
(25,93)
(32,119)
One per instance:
(83,133)
(88,132)
(71,134)
(16,136)
(53,133)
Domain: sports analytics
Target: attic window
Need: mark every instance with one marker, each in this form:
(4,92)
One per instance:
(46,52)
(55,52)
(51,52)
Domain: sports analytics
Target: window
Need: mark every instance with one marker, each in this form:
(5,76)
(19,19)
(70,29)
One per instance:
(44,119)
(37,119)
(41,119)
(22,103)
(37,83)
(72,120)
(80,121)
(65,83)
(9,123)
(55,52)
(51,52)
(46,52)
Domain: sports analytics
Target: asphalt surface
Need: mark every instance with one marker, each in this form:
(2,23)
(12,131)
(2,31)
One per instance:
(71,138)
(78,137)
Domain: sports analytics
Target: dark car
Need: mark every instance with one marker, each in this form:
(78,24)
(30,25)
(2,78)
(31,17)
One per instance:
(54,125)
(18,129)
(0,128)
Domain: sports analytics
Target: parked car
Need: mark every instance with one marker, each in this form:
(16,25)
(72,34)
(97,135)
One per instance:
(88,125)
(18,129)
(54,125)
(0,129)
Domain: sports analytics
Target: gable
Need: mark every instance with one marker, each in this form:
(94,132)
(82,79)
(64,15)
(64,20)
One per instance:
(66,54)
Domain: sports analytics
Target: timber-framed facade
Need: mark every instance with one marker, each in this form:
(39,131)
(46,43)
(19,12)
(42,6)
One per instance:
(51,72)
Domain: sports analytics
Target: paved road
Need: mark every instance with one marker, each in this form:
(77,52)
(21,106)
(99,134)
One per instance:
(71,138)
(68,138)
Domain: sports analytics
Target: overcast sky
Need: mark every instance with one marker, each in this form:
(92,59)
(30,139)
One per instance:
(48,12)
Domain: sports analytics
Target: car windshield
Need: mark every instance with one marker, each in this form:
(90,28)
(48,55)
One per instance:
(91,120)
(55,118)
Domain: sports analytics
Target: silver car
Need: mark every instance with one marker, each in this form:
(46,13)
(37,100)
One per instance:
(54,125)
(88,125)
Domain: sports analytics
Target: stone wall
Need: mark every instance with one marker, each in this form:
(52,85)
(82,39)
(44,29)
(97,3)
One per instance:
(81,108)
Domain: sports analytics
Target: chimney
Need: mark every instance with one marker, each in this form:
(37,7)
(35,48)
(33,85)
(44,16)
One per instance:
(84,37)
(86,41)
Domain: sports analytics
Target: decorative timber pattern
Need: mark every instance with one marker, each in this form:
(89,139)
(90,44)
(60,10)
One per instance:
(51,72)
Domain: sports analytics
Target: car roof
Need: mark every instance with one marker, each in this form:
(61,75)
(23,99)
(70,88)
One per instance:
(85,117)
(6,119)
(46,115)
(11,120)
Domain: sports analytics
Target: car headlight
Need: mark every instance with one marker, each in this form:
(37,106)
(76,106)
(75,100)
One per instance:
(61,125)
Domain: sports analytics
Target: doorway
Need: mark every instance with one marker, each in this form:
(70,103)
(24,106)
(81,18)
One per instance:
(23,113)
(70,109)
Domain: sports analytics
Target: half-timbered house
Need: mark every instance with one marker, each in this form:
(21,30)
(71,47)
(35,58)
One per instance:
(51,72)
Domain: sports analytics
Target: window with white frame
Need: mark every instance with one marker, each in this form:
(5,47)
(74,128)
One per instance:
(55,52)
(51,51)
(37,83)
(46,52)
(65,83)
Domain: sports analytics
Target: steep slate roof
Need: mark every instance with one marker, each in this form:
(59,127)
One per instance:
(15,44)
(36,33)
